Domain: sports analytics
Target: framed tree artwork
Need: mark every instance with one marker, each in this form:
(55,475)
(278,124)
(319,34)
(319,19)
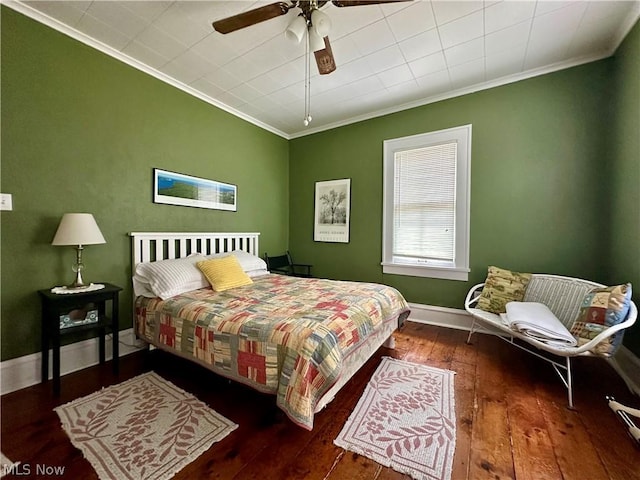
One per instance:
(332,211)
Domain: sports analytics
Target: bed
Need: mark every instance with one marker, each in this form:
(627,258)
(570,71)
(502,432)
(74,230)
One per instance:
(300,339)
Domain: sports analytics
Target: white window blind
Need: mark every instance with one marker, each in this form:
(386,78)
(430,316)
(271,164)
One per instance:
(425,203)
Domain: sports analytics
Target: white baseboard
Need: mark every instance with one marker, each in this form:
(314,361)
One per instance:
(440,316)
(24,371)
(624,362)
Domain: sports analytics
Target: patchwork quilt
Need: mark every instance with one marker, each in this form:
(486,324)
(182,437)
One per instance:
(283,335)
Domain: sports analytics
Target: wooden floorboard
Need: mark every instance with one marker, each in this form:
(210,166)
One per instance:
(511,415)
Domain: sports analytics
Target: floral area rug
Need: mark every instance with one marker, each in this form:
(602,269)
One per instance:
(405,420)
(144,428)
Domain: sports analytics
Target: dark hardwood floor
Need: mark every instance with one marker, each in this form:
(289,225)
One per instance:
(512,420)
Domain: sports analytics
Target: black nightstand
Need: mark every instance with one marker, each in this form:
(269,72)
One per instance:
(56,305)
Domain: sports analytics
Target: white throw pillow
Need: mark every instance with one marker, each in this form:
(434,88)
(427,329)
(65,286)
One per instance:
(168,278)
(247,261)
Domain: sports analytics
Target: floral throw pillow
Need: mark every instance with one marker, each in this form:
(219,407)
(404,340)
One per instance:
(501,287)
(602,308)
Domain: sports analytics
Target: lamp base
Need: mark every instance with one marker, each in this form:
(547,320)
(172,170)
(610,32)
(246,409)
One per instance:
(78,283)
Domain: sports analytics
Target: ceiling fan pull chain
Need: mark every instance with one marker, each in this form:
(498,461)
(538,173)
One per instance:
(307,83)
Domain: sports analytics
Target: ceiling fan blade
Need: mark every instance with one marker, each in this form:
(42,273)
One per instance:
(324,58)
(356,3)
(251,17)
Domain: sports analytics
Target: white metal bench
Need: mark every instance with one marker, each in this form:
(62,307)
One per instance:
(563,296)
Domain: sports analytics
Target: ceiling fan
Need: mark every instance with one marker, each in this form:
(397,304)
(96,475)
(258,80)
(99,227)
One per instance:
(310,20)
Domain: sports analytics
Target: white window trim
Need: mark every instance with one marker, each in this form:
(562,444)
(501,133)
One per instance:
(459,271)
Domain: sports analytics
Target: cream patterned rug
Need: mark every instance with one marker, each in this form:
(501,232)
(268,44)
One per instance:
(405,420)
(7,466)
(144,428)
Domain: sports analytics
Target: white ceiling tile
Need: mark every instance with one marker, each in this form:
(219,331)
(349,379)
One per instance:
(467,73)
(546,6)
(118,18)
(216,50)
(241,67)
(205,86)
(505,39)
(506,62)
(462,30)
(385,59)
(159,41)
(69,13)
(245,92)
(344,50)
(348,20)
(421,45)
(373,37)
(175,23)
(434,83)
(545,55)
(559,21)
(395,75)
(223,79)
(195,63)
(356,70)
(447,11)
(410,21)
(402,93)
(465,52)
(507,13)
(429,64)
(147,10)
(287,94)
(102,32)
(265,83)
(230,100)
(289,73)
(144,54)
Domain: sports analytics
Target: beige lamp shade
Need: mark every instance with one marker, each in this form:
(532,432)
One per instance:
(78,229)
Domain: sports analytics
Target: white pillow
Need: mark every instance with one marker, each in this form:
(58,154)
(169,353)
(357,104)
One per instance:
(258,272)
(247,261)
(168,278)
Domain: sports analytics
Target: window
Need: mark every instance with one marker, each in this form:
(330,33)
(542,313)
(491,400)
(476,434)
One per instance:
(426,204)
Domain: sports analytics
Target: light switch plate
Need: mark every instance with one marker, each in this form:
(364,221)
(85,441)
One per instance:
(6,202)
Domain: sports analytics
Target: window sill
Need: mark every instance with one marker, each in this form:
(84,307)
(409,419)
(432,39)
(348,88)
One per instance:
(460,274)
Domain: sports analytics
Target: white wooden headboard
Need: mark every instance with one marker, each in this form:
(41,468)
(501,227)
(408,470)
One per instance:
(152,246)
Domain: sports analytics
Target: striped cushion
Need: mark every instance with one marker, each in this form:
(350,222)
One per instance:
(168,278)
(563,295)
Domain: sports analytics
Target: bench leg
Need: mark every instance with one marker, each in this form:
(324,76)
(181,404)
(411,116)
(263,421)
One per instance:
(569,383)
(473,324)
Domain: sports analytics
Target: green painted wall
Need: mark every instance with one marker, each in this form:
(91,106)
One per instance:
(540,187)
(82,132)
(625,172)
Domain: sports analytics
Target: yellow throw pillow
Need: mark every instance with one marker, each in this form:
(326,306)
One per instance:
(224,273)
(501,287)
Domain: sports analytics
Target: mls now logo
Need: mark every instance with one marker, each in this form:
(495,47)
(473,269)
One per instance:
(24,469)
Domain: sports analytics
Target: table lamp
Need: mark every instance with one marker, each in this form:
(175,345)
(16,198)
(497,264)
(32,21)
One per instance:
(78,229)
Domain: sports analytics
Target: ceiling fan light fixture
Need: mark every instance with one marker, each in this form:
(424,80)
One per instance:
(295,30)
(316,42)
(321,23)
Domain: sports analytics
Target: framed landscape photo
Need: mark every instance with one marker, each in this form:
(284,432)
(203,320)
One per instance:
(332,211)
(179,189)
